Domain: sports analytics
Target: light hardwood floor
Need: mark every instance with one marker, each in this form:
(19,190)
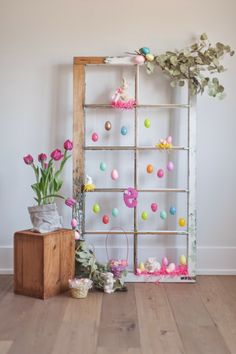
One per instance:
(149,319)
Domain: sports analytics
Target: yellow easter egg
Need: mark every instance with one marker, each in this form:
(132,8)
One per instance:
(182,222)
(182,260)
(149,57)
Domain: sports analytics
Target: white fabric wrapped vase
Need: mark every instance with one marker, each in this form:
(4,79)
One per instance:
(45,218)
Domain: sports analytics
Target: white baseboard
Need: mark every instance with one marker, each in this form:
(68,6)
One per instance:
(210,260)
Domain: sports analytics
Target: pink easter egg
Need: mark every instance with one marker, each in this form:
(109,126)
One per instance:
(77,235)
(171,268)
(165,261)
(94,137)
(139,59)
(114,174)
(170,166)
(74,223)
(138,271)
(169,139)
(160,173)
(154,207)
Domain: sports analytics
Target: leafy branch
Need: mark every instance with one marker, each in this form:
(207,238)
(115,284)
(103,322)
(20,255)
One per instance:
(194,64)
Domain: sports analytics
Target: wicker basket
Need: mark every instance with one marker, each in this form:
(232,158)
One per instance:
(79,293)
(79,287)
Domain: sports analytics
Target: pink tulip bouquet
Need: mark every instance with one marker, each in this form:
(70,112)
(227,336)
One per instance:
(47,186)
(48,177)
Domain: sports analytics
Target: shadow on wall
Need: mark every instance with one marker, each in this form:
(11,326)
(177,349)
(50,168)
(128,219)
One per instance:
(61,127)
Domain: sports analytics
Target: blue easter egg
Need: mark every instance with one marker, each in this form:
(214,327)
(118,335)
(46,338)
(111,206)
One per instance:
(163,215)
(103,166)
(172,210)
(144,50)
(123,130)
(115,212)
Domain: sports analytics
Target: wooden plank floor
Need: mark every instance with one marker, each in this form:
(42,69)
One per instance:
(149,319)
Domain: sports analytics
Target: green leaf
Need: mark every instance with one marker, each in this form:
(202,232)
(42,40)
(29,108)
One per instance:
(203,37)
(181,83)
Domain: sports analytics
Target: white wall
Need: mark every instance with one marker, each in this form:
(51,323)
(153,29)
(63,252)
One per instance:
(38,40)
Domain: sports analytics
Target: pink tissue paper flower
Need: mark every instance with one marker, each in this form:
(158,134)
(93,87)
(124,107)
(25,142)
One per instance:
(56,155)
(68,145)
(70,202)
(42,157)
(28,159)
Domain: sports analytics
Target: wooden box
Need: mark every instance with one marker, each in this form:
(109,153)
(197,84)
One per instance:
(43,263)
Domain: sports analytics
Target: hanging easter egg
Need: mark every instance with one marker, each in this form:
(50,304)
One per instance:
(147,123)
(165,261)
(114,174)
(170,166)
(149,57)
(115,212)
(171,268)
(77,235)
(144,215)
(163,215)
(103,166)
(182,260)
(107,125)
(182,222)
(172,210)
(169,139)
(74,223)
(144,50)
(154,207)
(105,219)
(149,168)
(96,208)
(139,59)
(123,130)
(160,173)
(94,137)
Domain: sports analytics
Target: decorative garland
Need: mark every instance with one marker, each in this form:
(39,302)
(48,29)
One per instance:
(195,63)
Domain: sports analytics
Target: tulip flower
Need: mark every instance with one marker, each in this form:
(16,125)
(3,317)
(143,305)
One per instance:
(42,157)
(28,159)
(68,145)
(70,202)
(57,155)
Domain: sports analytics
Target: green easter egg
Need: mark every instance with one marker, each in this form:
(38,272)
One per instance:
(144,215)
(163,215)
(96,208)
(103,166)
(115,212)
(147,123)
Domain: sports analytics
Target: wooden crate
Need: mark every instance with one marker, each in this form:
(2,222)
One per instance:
(43,263)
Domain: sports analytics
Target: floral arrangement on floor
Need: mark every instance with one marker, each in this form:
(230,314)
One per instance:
(195,63)
(105,277)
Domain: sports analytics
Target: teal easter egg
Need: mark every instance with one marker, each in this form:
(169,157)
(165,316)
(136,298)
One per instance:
(147,123)
(144,215)
(172,210)
(163,215)
(144,50)
(115,212)
(123,130)
(103,166)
